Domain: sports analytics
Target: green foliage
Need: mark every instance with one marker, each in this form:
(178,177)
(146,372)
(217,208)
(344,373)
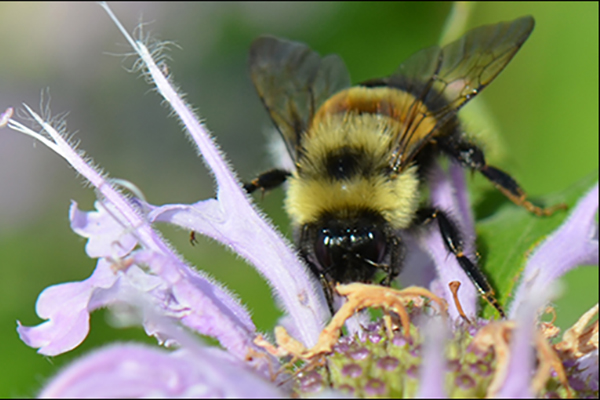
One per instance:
(506,238)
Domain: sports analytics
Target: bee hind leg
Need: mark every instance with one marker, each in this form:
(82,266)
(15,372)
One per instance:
(471,156)
(454,244)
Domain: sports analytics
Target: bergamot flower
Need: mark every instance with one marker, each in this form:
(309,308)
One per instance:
(423,342)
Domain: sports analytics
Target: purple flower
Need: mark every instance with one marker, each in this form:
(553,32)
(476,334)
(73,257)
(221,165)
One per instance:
(138,270)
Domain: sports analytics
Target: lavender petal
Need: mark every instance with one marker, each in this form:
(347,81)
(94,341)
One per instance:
(66,308)
(128,370)
(449,195)
(517,383)
(223,316)
(588,367)
(575,243)
(258,243)
(242,226)
(107,237)
(433,367)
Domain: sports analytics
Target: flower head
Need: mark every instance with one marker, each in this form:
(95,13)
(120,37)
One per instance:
(423,345)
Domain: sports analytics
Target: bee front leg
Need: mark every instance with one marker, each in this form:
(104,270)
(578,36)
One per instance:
(471,156)
(327,284)
(267,180)
(305,237)
(396,260)
(454,244)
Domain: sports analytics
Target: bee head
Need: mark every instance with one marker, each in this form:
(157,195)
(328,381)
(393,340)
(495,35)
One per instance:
(349,249)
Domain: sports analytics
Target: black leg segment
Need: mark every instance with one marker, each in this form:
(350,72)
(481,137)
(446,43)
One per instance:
(454,244)
(396,260)
(267,180)
(471,156)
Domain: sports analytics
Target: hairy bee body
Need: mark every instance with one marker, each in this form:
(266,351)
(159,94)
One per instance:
(344,190)
(345,164)
(361,153)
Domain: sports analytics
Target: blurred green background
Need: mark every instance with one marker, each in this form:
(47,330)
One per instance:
(545,106)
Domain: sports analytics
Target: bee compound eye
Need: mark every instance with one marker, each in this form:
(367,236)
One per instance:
(376,249)
(323,248)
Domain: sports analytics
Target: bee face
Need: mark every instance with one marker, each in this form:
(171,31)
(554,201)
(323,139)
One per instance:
(361,153)
(347,250)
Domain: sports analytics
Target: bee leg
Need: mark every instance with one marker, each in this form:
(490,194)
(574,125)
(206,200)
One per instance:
(471,156)
(452,240)
(304,249)
(328,289)
(396,259)
(267,180)
(328,286)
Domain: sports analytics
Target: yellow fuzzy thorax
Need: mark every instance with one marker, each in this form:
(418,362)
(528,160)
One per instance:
(312,192)
(368,133)
(396,200)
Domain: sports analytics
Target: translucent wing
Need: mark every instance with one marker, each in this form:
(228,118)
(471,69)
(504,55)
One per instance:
(293,81)
(445,79)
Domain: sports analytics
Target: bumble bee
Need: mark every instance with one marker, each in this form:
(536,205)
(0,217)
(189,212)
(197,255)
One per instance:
(361,152)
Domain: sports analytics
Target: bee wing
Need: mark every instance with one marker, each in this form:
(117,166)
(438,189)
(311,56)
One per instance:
(293,81)
(445,79)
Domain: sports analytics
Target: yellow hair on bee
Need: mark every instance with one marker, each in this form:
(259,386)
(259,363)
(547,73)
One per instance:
(369,134)
(313,192)
(395,199)
(400,110)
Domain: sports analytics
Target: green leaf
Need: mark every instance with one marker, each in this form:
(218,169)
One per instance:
(507,236)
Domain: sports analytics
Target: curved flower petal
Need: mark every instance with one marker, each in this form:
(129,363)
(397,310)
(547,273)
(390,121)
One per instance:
(253,237)
(575,243)
(107,237)
(128,370)
(196,302)
(113,231)
(262,247)
(200,304)
(67,308)
(521,366)
(448,193)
